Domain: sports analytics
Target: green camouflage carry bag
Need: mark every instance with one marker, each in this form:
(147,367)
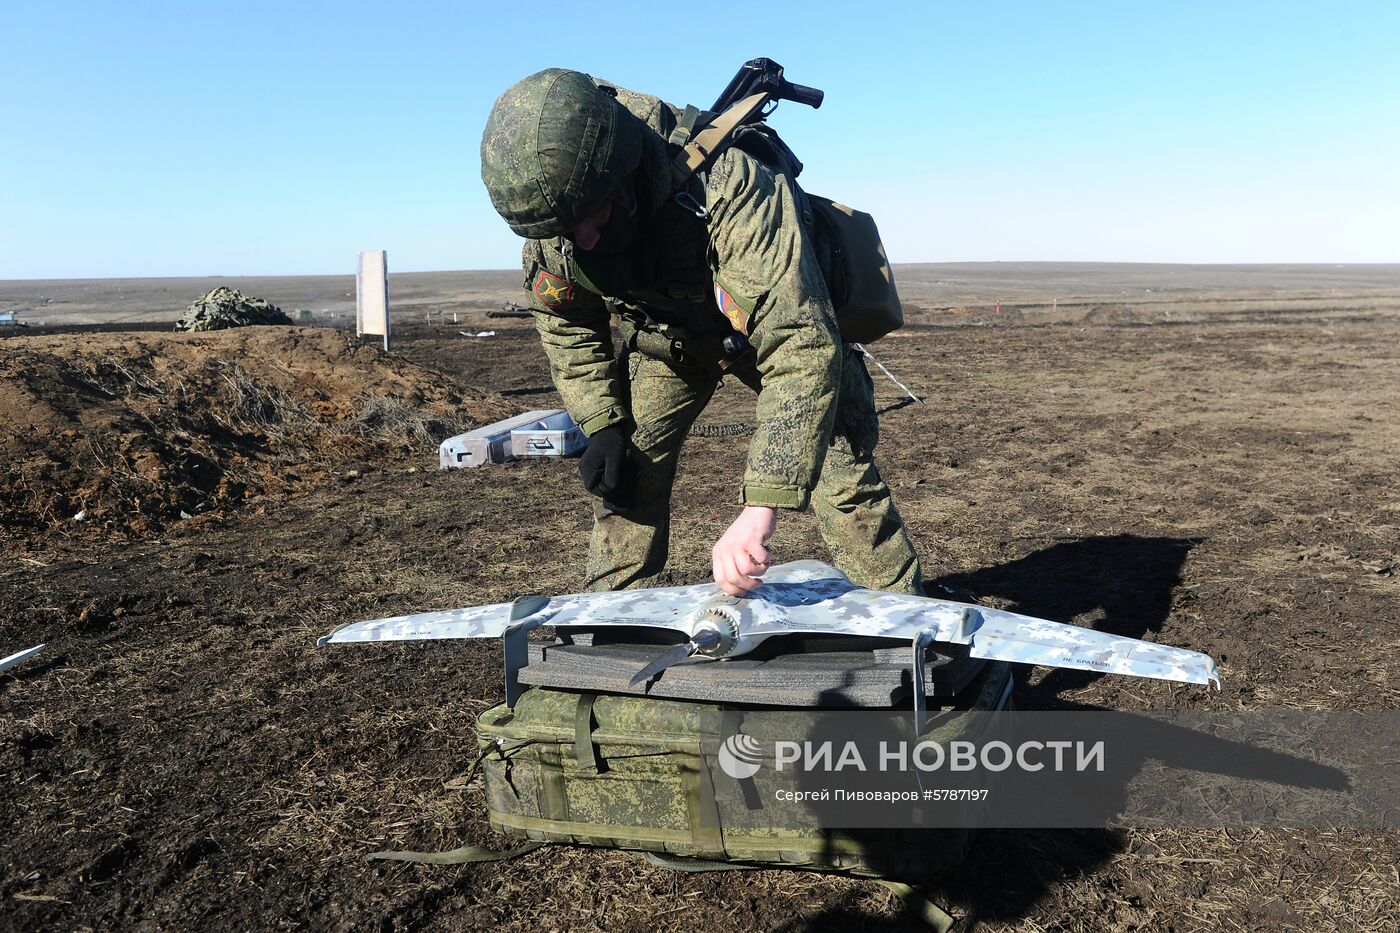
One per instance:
(629,772)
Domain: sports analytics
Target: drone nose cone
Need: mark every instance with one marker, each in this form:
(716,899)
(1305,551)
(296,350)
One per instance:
(715,631)
(706,640)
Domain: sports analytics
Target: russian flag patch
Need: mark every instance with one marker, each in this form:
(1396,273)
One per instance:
(731,309)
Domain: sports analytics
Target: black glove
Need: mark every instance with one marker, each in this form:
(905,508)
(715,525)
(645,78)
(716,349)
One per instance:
(609,466)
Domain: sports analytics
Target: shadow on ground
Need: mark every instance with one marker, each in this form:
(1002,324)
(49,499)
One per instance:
(1121,584)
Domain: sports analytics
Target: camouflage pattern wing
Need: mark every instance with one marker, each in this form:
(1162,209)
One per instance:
(662,607)
(1007,636)
(810,597)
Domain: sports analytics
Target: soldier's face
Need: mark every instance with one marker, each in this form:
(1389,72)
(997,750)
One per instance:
(610,229)
(587,234)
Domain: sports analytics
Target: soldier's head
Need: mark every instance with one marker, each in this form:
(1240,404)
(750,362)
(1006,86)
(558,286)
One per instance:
(557,157)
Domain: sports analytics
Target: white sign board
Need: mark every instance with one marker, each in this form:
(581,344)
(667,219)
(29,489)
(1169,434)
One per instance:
(372,295)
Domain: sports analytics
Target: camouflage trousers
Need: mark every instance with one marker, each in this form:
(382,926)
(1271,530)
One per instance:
(855,511)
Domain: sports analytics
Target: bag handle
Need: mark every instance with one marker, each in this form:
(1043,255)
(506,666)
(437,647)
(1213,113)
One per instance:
(585,752)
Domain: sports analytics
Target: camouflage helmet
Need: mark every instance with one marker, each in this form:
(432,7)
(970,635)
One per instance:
(555,146)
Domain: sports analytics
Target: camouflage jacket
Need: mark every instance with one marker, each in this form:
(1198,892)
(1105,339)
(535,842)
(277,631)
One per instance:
(751,265)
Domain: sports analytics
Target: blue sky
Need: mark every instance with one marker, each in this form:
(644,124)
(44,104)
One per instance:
(281,138)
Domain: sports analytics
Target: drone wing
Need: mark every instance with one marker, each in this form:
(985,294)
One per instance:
(1006,636)
(661,607)
(811,597)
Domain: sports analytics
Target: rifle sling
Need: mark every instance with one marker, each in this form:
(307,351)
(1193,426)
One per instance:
(697,154)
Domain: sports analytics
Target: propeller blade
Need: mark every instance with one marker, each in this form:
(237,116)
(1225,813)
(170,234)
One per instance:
(662,661)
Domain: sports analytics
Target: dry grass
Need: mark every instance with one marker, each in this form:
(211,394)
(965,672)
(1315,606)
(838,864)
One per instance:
(390,418)
(255,404)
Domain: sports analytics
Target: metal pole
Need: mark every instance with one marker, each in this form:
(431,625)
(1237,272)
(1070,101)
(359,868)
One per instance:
(869,356)
(19,657)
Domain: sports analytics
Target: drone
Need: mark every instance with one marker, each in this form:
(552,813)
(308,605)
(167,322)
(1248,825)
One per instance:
(799,598)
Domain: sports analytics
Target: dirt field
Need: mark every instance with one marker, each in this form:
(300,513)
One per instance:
(1201,456)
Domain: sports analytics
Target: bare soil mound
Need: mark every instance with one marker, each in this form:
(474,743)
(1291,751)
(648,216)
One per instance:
(129,432)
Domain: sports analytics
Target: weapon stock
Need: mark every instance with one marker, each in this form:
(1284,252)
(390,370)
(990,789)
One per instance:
(763,75)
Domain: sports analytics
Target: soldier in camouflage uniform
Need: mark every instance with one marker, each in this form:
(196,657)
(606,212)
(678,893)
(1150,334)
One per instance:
(582,170)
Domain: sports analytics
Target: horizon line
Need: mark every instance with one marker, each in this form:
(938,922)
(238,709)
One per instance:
(947,262)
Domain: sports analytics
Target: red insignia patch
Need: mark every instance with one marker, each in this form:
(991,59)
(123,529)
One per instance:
(731,309)
(552,291)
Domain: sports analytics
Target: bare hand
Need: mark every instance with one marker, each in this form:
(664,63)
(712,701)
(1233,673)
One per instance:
(740,556)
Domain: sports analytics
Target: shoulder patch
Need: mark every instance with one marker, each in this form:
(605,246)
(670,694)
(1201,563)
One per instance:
(731,309)
(552,291)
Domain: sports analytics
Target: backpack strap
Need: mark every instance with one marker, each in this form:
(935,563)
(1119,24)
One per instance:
(685,125)
(692,864)
(465,855)
(938,919)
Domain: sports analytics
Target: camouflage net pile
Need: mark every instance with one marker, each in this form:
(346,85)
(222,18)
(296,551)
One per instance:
(227,307)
